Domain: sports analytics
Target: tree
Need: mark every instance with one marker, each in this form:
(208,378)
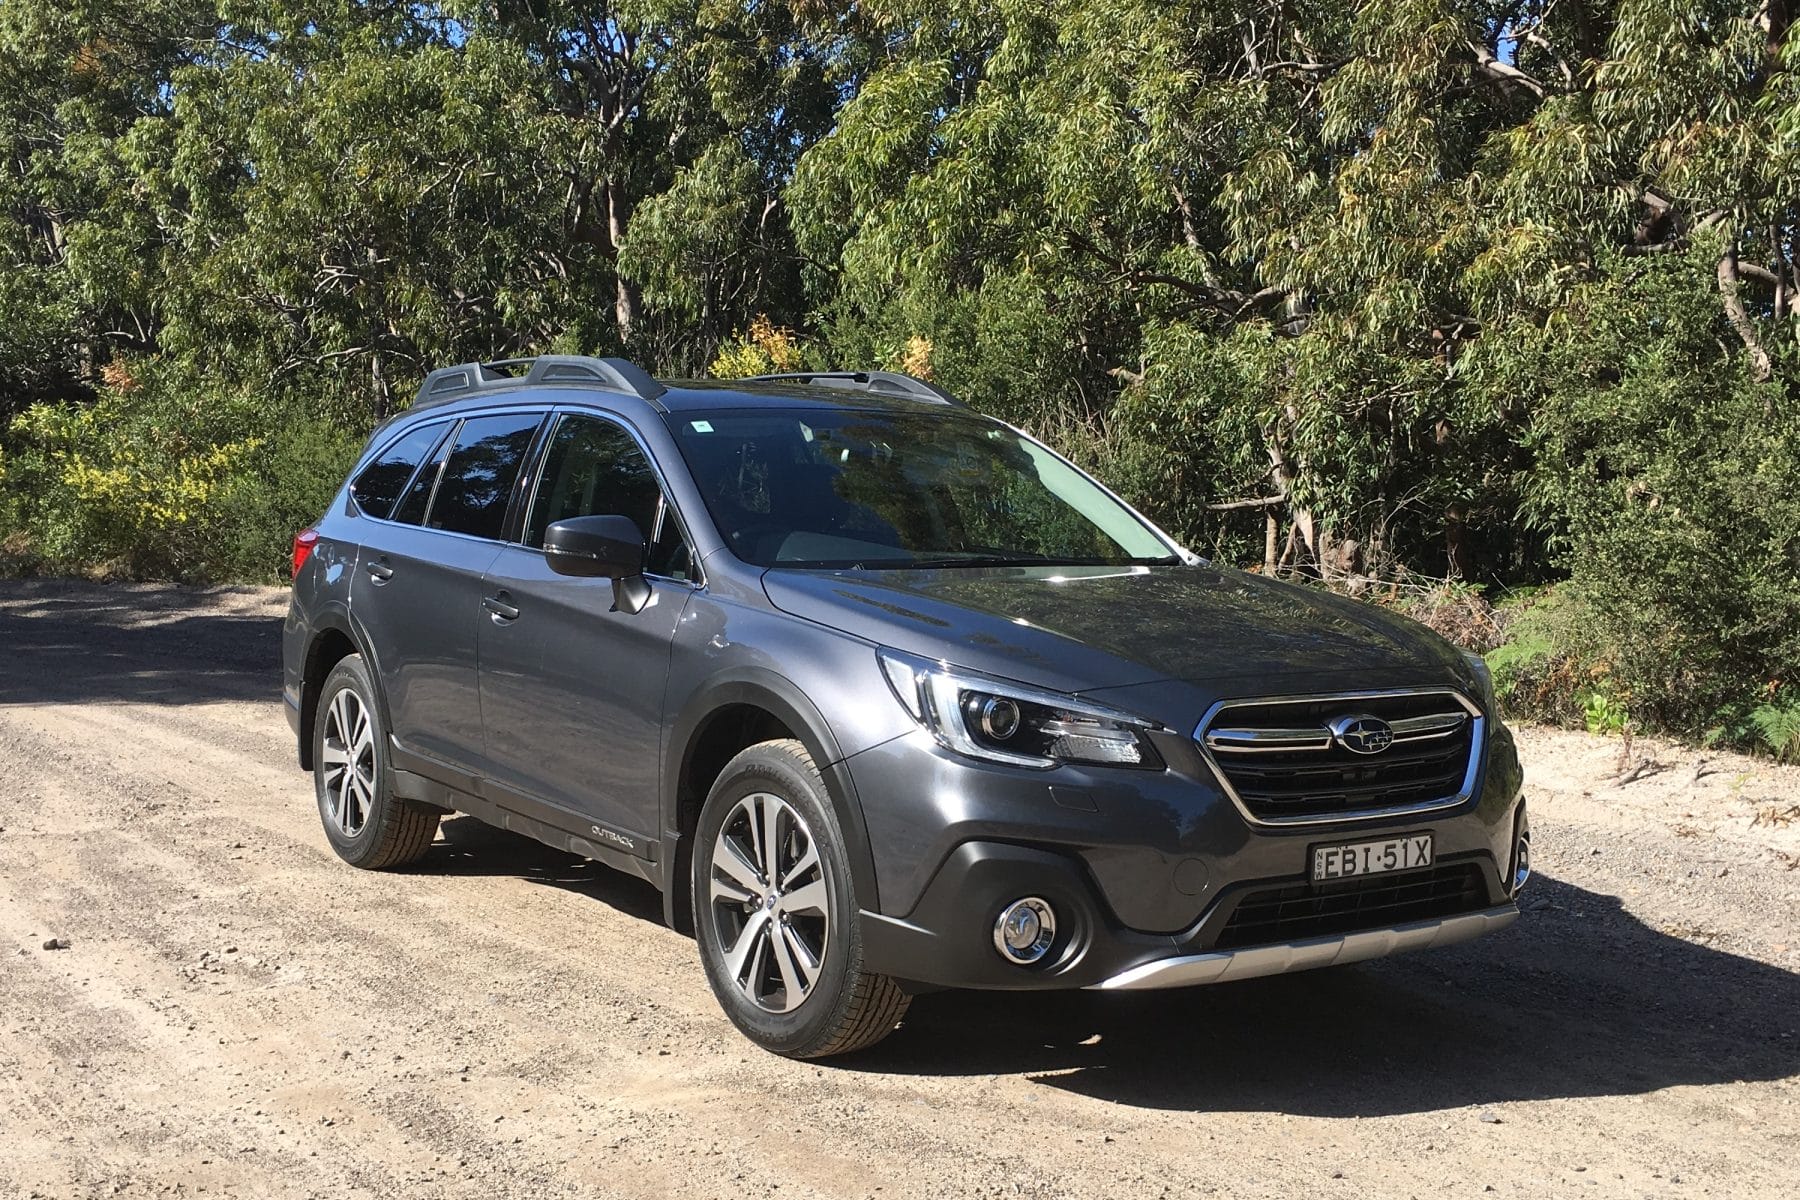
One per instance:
(1283,246)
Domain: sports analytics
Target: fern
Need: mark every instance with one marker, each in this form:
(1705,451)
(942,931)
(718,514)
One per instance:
(1779,726)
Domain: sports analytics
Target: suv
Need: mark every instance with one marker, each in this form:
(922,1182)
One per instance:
(883,695)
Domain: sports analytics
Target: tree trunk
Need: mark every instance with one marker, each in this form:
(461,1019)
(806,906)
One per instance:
(628,297)
(1762,367)
(383,392)
(378,379)
(1456,545)
(1282,473)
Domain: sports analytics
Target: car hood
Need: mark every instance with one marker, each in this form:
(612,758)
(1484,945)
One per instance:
(1078,629)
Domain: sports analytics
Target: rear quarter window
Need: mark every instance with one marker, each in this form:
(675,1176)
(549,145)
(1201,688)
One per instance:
(377,487)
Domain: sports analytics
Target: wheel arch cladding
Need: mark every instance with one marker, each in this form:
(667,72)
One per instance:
(335,638)
(731,714)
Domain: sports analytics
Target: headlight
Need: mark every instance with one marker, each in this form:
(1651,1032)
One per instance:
(1484,681)
(1009,723)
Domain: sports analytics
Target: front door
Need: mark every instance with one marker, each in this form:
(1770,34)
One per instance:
(571,690)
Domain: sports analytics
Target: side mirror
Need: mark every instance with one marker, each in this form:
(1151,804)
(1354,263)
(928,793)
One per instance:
(601,548)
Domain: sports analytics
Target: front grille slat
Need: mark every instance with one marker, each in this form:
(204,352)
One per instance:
(1294,912)
(1319,778)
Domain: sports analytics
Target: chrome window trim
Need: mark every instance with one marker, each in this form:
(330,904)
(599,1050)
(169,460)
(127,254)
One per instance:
(1471,775)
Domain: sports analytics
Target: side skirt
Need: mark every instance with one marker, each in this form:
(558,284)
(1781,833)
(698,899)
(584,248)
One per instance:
(547,823)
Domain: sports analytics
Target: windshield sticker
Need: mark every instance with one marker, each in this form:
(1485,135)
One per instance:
(700,426)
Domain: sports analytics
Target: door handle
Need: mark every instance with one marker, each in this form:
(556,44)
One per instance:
(380,572)
(498,606)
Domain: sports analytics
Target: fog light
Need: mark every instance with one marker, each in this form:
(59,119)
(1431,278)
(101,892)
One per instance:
(1025,930)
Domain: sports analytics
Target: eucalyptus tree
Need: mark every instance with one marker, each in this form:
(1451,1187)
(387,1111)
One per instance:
(1304,262)
(77,251)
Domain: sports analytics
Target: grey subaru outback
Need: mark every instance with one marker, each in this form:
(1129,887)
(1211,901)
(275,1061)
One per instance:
(883,695)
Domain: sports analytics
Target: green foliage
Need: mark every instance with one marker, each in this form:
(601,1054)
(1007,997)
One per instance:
(1779,727)
(1673,490)
(1603,714)
(1545,665)
(151,479)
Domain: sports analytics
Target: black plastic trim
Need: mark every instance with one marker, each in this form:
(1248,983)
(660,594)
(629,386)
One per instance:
(609,374)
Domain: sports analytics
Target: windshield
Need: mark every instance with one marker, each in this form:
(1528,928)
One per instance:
(823,489)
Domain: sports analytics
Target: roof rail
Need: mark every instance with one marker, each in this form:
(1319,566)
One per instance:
(872,381)
(468,379)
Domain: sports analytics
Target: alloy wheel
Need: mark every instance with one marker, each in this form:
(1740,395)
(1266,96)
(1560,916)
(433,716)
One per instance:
(769,901)
(348,758)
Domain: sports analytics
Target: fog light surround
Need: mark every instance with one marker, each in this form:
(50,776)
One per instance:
(1521,872)
(1025,931)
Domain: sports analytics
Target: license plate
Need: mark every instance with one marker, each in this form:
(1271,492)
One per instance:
(1371,858)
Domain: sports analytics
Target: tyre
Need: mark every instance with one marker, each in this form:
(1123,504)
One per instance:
(365,822)
(775,911)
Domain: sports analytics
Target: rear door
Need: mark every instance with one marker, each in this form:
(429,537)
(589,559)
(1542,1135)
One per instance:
(417,593)
(571,690)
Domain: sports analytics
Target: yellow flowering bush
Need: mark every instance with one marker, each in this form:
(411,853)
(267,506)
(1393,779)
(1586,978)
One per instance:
(763,349)
(97,484)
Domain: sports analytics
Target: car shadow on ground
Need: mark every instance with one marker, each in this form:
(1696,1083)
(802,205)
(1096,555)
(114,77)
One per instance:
(1578,998)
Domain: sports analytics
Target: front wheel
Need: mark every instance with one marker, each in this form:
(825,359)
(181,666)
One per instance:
(776,913)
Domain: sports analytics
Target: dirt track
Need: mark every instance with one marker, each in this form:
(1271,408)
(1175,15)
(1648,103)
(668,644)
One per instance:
(240,1014)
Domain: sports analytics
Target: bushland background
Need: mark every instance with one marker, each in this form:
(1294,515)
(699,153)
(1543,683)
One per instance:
(1482,309)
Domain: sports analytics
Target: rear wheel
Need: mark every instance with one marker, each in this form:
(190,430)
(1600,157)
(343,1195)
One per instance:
(776,913)
(365,822)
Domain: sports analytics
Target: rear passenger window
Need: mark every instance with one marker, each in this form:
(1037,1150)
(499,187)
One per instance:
(479,474)
(377,489)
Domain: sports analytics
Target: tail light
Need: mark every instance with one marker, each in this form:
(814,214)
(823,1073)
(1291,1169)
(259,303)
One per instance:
(304,541)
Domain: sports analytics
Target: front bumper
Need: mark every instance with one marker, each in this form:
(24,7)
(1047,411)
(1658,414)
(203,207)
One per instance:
(1144,869)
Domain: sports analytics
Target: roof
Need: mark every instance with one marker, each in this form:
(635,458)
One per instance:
(822,389)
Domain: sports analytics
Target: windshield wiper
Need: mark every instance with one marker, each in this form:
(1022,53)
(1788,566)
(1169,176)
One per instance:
(964,560)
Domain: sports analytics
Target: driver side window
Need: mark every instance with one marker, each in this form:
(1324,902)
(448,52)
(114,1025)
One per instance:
(593,467)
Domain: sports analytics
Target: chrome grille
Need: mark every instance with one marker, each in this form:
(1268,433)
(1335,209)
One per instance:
(1291,760)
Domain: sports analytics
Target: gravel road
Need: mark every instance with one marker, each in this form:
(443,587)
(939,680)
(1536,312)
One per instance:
(237,1013)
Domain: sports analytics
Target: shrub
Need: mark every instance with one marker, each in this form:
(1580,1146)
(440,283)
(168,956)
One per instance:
(289,481)
(153,480)
(1779,727)
(763,349)
(1671,481)
(1452,608)
(1545,667)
